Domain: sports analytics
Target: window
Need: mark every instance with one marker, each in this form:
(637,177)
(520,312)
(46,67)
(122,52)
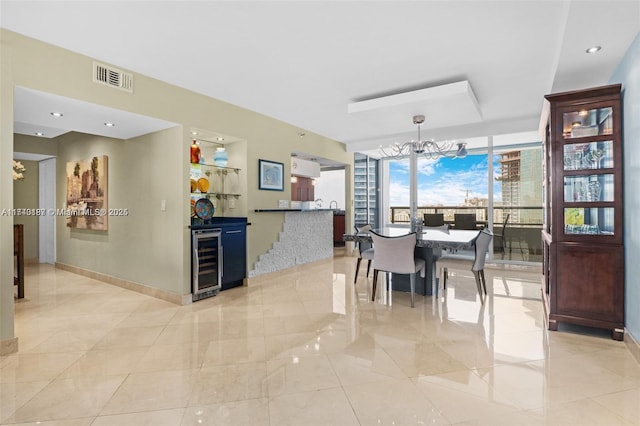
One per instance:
(464,185)
(366,199)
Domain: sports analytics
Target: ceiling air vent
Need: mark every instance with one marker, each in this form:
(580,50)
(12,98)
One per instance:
(113,77)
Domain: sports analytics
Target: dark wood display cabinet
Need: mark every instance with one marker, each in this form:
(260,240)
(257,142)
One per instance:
(583,254)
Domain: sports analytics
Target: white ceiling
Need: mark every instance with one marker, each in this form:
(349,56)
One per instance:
(33,110)
(304,62)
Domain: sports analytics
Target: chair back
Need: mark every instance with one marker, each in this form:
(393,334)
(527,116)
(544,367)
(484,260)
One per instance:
(394,254)
(443,228)
(434,219)
(483,240)
(504,224)
(363,245)
(363,228)
(465,221)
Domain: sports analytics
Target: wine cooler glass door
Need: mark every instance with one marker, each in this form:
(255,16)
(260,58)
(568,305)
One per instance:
(206,262)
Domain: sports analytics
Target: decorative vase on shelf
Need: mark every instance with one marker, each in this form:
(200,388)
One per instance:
(220,157)
(195,152)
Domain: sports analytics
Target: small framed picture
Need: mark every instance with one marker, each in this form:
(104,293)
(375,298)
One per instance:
(271,175)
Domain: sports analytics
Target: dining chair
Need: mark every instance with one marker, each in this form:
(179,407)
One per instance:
(464,221)
(396,255)
(481,248)
(434,219)
(365,250)
(502,234)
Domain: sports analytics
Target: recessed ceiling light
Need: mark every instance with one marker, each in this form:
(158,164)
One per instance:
(39,134)
(594,49)
(109,124)
(583,113)
(194,133)
(57,114)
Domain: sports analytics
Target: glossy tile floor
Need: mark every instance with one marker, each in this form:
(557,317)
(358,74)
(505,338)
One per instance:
(307,347)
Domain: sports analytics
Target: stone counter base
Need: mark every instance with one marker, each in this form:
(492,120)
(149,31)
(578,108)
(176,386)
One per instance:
(305,237)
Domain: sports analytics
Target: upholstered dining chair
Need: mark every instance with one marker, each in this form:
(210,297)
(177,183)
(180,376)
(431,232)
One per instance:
(481,243)
(396,255)
(365,251)
(464,221)
(434,219)
(502,234)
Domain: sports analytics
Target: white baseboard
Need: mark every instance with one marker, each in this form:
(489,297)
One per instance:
(633,345)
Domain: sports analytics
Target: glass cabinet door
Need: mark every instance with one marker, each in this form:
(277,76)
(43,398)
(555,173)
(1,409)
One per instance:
(594,221)
(588,188)
(587,122)
(589,179)
(588,156)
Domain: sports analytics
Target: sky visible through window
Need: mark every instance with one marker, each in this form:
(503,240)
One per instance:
(444,181)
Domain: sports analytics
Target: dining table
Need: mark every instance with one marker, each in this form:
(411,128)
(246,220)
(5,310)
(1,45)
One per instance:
(429,246)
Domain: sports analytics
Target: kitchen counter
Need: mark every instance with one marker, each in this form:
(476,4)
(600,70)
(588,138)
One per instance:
(297,210)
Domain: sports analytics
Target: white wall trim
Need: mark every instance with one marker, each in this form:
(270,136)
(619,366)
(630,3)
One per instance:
(47,203)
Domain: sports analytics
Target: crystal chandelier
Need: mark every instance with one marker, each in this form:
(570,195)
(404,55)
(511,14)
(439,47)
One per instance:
(429,149)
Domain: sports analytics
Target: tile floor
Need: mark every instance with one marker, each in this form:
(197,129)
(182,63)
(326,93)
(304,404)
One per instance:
(307,347)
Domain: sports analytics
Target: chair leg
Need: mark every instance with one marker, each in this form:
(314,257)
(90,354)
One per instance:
(357,269)
(412,281)
(444,278)
(375,283)
(484,282)
(476,274)
(368,268)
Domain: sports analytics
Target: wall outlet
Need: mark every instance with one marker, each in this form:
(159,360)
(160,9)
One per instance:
(232,203)
(163,205)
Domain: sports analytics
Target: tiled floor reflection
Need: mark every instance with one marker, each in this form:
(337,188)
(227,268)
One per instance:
(308,347)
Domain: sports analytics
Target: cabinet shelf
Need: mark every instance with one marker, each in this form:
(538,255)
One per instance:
(218,169)
(217,195)
(221,183)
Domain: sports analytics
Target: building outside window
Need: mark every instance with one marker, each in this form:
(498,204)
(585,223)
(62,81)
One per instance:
(366,190)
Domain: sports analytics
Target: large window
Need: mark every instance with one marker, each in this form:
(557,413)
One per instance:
(517,201)
(445,185)
(501,176)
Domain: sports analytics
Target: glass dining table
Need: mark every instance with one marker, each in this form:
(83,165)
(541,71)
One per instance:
(429,246)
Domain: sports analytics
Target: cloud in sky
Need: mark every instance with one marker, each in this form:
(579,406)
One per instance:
(443,181)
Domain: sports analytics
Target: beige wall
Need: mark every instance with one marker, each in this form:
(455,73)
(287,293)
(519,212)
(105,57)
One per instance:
(25,196)
(29,63)
(145,246)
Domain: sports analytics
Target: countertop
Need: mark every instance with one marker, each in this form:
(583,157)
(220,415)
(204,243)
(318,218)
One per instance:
(298,210)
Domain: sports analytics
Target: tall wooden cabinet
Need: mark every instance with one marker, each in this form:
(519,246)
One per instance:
(583,258)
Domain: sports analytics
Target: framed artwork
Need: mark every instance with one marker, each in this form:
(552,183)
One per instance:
(271,175)
(87,194)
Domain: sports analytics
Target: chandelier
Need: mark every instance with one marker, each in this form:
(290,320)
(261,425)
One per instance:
(429,149)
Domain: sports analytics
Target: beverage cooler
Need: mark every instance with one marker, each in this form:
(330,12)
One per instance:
(206,262)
